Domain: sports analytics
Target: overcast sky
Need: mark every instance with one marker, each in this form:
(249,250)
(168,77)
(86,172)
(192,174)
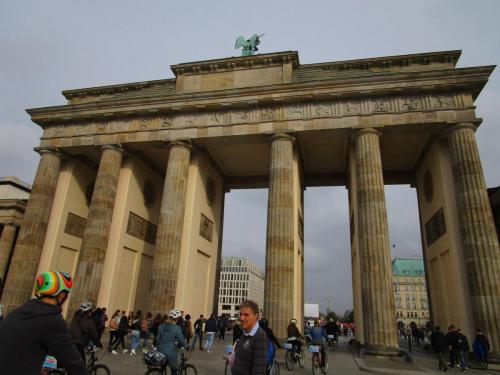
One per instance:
(50,46)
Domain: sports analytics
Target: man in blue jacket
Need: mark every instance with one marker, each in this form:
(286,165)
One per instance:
(37,328)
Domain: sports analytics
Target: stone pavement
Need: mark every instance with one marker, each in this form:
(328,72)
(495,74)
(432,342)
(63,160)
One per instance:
(341,362)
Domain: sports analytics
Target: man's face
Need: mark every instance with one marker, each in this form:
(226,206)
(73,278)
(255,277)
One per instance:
(248,318)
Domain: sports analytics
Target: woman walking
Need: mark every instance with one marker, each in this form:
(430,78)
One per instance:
(121,334)
(113,329)
(135,332)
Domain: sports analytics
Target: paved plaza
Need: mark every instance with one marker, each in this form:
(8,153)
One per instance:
(341,362)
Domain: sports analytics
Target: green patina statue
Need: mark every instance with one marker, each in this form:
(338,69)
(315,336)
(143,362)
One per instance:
(249,45)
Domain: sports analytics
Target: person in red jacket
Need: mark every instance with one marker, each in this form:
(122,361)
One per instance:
(37,328)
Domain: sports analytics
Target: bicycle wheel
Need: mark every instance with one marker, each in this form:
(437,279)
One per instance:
(325,368)
(188,370)
(100,369)
(316,370)
(154,371)
(289,360)
(302,358)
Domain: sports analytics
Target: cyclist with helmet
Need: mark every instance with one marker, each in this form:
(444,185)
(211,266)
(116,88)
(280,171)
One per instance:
(83,329)
(318,337)
(36,328)
(169,336)
(294,336)
(332,329)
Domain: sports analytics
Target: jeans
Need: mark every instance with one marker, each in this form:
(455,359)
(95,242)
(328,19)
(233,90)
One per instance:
(145,336)
(195,337)
(135,339)
(210,341)
(462,357)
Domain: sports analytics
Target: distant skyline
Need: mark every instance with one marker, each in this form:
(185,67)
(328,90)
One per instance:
(47,47)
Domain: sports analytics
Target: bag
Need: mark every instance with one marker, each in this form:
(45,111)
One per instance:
(113,324)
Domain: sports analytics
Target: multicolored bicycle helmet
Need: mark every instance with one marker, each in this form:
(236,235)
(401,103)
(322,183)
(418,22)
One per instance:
(51,283)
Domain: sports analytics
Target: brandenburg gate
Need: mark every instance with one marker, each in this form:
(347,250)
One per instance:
(129,192)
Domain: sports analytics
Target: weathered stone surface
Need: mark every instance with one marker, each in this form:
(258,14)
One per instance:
(24,263)
(95,237)
(477,229)
(376,276)
(278,292)
(164,272)
(6,247)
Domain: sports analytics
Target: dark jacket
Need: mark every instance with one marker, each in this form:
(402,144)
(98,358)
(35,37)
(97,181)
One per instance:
(83,332)
(198,325)
(439,342)
(462,342)
(28,333)
(271,337)
(250,354)
(293,331)
(481,346)
(211,325)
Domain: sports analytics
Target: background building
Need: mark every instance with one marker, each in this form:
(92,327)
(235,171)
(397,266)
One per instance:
(410,293)
(14,194)
(240,279)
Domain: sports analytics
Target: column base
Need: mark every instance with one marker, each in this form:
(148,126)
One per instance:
(494,357)
(380,350)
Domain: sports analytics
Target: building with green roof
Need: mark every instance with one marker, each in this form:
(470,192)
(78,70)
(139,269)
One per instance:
(410,292)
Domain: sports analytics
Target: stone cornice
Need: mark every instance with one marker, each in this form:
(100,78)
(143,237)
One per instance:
(235,63)
(471,79)
(427,58)
(113,89)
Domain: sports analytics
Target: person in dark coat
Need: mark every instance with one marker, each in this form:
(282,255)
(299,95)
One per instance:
(29,333)
(83,329)
(122,333)
(210,330)
(250,352)
(440,346)
(481,347)
(198,332)
(237,332)
(463,349)
(451,338)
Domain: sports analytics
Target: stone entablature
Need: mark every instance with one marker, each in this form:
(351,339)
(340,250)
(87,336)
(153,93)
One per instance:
(379,111)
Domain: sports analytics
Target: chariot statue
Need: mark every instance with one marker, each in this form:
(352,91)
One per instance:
(249,45)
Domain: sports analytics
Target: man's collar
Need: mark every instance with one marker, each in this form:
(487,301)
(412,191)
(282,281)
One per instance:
(253,331)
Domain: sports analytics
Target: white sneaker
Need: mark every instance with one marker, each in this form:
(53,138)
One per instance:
(132,352)
(114,352)
(125,351)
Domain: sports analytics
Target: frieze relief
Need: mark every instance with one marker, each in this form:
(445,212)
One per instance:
(327,109)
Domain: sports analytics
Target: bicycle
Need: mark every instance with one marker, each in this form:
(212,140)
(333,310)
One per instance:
(316,360)
(93,368)
(183,369)
(332,342)
(293,356)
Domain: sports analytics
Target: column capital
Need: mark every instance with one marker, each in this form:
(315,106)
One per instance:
(364,131)
(288,136)
(187,143)
(116,147)
(459,126)
(48,150)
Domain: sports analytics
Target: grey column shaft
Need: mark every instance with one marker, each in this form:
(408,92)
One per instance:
(23,266)
(165,268)
(477,229)
(96,234)
(6,247)
(278,293)
(379,316)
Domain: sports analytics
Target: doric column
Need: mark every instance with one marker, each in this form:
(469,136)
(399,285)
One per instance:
(23,266)
(6,247)
(379,319)
(165,268)
(96,234)
(278,292)
(477,229)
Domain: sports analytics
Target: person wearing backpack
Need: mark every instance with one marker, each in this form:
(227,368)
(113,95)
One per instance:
(113,329)
(198,332)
